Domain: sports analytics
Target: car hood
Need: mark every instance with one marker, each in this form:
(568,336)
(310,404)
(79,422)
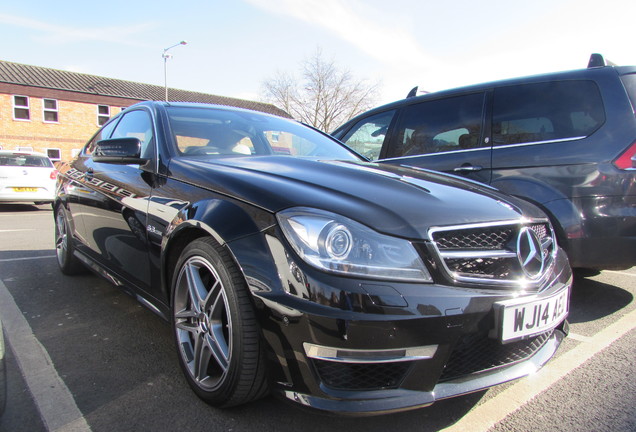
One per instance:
(393,200)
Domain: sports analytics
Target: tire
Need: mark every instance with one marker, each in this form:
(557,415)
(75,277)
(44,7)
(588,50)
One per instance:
(64,248)
(215,328)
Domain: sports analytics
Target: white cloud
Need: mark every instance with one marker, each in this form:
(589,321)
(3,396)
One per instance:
(58,34)
(377,33)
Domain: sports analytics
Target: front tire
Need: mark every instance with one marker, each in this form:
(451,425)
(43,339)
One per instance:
(64,248)
(215,328)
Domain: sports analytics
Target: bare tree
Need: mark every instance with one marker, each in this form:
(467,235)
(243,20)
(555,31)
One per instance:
(325,97)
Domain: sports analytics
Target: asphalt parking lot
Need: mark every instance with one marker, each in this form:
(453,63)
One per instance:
(82,355)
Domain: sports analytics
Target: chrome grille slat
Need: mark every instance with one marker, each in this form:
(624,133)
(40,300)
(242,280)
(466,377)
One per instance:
(487,253)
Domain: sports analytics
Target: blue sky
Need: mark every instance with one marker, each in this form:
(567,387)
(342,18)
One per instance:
(233,46)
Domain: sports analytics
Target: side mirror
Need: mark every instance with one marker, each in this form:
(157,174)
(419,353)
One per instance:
(119,151)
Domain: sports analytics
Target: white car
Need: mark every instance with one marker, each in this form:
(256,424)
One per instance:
(26,176)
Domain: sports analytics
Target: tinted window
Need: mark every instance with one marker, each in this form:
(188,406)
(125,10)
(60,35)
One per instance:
(104,133)
(629,81)
(546,111)
(367,136)
(137,124)
(439,126)
(213,132)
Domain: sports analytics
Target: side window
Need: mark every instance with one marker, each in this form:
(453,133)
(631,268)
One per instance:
(540,112)
(367,136)
(137,124)
(103,133)
(441,125)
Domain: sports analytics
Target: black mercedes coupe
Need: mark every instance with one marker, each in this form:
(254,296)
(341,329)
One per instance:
(286,263)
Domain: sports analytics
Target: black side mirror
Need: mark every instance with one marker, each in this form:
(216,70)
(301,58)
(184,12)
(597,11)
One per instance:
(119,151)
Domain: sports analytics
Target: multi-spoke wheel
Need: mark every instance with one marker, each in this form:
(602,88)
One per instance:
(215,327)
(67,261)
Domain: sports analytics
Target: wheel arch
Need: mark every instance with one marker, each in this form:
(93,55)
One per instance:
(222,220)
(564,215)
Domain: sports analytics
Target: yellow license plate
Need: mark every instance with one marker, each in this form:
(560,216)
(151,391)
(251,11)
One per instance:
(24,189)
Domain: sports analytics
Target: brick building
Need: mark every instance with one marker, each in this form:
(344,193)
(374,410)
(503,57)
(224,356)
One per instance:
(56,112)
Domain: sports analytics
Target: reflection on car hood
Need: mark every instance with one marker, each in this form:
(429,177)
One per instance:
(393,200)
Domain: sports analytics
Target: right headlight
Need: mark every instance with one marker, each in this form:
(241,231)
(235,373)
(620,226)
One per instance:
(337,244)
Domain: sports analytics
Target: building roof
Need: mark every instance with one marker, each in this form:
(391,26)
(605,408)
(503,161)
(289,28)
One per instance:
(37,76)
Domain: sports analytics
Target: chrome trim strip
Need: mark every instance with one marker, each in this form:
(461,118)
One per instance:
(495,147)
(343,355)
(522,283)
(478,254)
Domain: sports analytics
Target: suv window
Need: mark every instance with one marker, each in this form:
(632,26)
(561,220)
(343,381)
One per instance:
(541,112)
(442,125)
(629,81)
(367,136)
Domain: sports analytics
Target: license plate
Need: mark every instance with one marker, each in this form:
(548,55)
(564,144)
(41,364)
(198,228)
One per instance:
(25,189)
(519,318)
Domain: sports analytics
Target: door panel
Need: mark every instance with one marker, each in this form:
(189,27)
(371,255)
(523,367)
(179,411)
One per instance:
(113,203)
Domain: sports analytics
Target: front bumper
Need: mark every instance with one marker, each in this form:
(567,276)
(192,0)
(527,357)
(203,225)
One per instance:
(360,347)
(401,399)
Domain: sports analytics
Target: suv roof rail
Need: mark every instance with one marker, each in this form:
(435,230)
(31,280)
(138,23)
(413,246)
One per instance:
(597,60)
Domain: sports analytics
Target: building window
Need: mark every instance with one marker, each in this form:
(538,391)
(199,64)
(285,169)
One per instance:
(103,114)
(21,108)
(49,109)
(55,154)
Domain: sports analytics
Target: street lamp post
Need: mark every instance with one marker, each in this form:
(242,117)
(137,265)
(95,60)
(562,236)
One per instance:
(166,56)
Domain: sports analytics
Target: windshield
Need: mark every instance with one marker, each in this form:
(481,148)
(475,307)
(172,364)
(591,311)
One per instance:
(220,133)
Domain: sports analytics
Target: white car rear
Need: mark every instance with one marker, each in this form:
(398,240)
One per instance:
(26,177)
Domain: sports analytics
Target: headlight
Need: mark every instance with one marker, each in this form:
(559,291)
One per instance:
(337,244)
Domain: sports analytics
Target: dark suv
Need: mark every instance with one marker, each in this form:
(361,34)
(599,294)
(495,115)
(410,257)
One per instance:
(565,141)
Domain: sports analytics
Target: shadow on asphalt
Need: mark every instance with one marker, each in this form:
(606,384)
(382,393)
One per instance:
(11,208)
(591,300)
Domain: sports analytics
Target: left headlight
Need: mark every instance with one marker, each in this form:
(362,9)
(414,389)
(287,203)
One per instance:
(337,244)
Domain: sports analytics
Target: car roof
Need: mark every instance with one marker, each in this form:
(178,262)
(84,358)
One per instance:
(165,104)
(587,73)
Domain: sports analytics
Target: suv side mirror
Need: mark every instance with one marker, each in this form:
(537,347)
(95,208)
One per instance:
(119,151)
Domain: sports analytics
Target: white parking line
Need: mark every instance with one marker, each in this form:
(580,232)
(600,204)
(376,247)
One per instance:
(17,230)
(27,258)
(487,415)
(51,396)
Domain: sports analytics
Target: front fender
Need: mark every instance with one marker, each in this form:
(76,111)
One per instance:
(225,221)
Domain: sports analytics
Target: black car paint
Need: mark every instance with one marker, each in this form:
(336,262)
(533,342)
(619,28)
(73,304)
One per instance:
(131,222)
(591,203)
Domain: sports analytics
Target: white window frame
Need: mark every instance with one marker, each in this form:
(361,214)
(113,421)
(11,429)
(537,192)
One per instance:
(27,107)
(100,115)
(45,110)
(59,152)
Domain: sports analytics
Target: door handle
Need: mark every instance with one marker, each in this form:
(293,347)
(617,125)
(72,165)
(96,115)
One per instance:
(468,168)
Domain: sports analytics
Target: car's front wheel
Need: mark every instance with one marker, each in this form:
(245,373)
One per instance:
(215,327)
(64,248)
